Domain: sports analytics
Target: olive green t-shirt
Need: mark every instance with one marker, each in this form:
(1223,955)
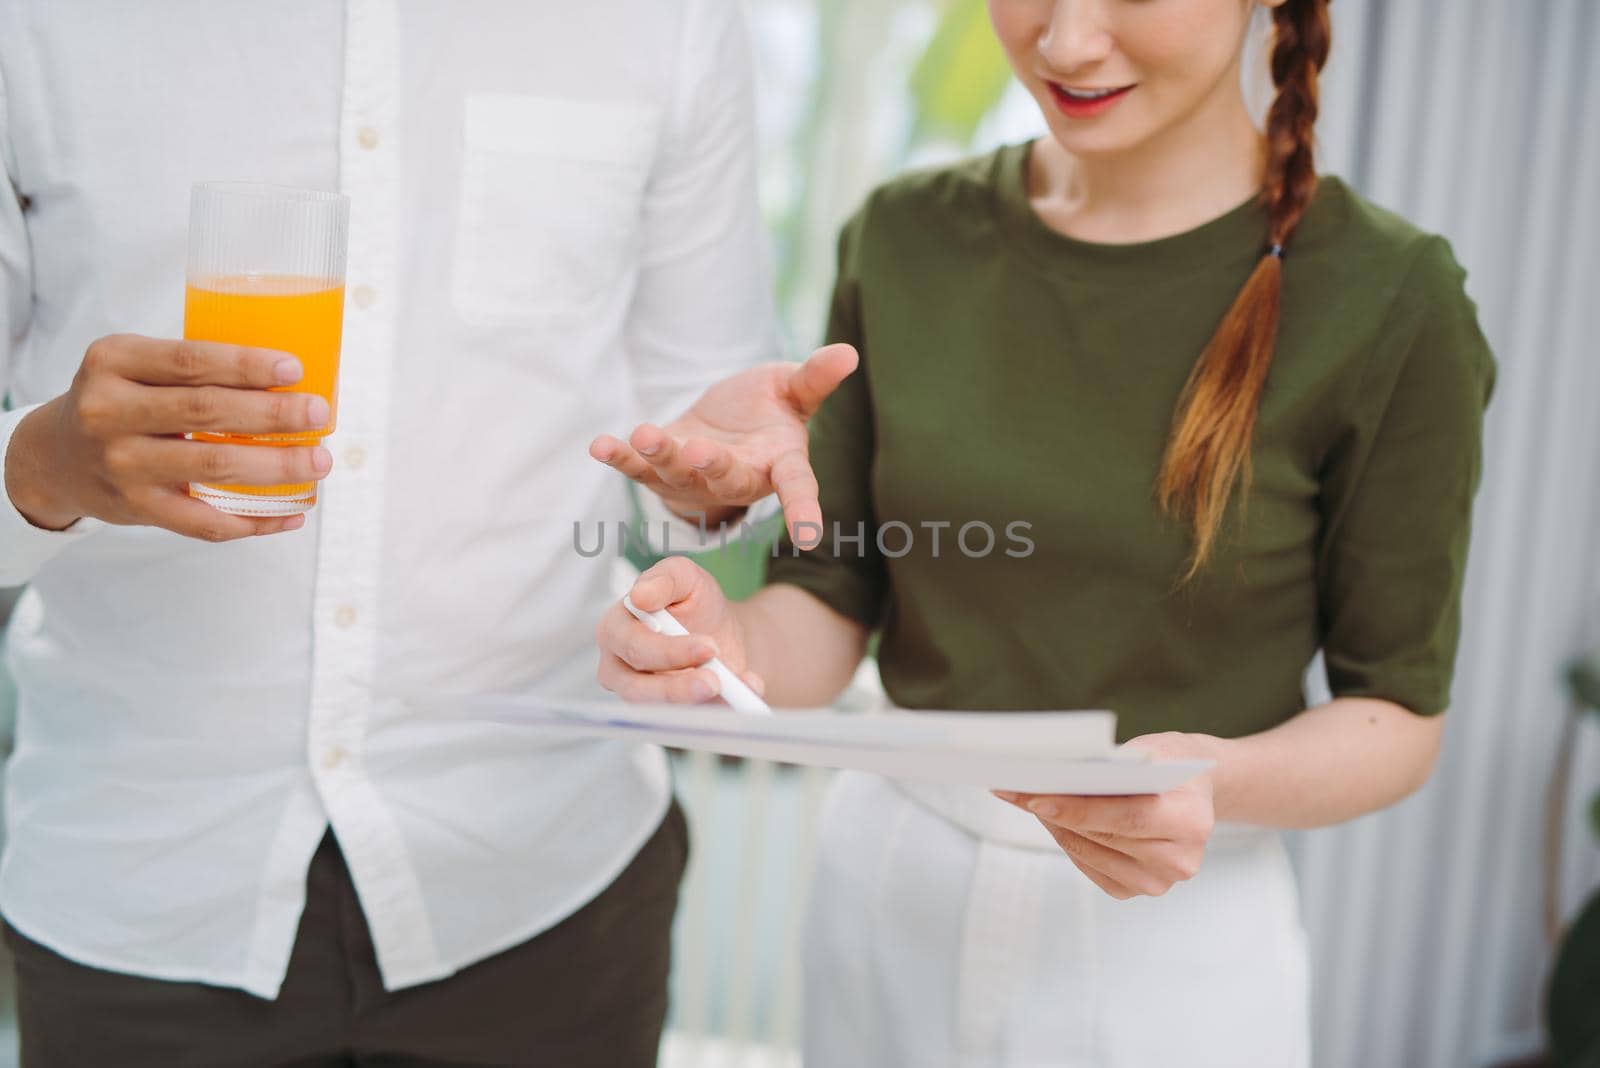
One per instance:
(988,474)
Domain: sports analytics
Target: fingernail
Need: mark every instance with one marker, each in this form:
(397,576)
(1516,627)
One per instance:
(317,412)
(703,689)
(705,651)
(287,371)
(1004,795)
(1044,808)
(321,460)
(650,450)
(294,522)
(700,464)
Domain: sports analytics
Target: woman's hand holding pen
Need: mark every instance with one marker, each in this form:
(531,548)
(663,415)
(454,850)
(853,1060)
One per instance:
(1133,846)
(638,664)
(743,439)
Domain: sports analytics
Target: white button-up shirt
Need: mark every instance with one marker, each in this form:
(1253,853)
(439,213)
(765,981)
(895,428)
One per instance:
(553,234)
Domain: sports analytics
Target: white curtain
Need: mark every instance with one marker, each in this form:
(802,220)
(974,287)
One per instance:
(1431,923)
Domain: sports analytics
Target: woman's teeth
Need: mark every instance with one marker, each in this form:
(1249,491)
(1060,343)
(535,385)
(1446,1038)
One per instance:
(1088,94)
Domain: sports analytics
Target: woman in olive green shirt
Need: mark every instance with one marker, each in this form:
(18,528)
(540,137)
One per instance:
(1147,414)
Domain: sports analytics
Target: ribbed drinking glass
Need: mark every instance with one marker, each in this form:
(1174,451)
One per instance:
(267,269)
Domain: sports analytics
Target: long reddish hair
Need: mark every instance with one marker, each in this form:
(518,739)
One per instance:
(1208,452)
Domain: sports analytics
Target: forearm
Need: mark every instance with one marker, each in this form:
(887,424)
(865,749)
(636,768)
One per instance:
(804,651)
(1327,765)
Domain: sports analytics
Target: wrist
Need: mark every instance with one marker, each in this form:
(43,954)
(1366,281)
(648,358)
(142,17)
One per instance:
(698,514)
(1224,754)
(28,467)
(1177,745)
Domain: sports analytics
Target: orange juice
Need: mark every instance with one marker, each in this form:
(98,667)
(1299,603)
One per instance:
(298,315)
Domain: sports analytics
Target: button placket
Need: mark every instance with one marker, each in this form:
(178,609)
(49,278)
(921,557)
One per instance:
(345,656)
(344,661)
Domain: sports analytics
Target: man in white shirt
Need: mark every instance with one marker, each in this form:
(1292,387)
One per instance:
(553,231)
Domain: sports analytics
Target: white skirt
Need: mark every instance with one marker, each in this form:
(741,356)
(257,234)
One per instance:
(957,934)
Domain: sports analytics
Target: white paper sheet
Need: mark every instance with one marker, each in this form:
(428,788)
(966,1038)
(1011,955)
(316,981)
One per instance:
(1036,752)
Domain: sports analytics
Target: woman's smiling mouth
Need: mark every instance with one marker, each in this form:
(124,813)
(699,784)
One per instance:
(1081,102)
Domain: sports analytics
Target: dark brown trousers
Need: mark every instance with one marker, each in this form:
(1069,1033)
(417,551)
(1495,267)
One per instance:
(591,991)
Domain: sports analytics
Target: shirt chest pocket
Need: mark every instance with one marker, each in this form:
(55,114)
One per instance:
(551,199)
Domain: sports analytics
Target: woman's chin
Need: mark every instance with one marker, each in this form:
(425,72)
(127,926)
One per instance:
(1084,141)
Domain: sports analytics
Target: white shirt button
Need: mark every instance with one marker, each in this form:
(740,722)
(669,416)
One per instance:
(333,757)
(364,296)
(367,138)
(344,617)
(354,457)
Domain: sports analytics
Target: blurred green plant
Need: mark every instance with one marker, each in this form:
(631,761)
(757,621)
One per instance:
(960,78)
(1584,675)
(1572,1009)
(1584,678)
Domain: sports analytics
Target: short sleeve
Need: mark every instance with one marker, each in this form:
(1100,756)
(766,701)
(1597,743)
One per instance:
(1397,495)
(845,570)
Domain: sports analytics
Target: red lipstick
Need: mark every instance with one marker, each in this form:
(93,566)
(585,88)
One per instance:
(1078,106)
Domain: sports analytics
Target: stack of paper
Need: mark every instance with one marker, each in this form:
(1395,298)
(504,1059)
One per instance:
(1036,752)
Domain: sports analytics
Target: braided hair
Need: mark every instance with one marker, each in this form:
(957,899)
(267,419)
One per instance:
(1208,450)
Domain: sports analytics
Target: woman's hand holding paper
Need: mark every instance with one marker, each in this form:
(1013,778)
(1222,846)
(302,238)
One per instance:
(1133,846)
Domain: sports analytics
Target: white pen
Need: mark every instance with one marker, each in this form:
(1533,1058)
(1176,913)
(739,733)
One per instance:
(734,690)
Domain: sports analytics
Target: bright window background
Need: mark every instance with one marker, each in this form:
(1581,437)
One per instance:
(852,92)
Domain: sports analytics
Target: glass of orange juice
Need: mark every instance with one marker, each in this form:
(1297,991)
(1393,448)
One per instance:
(266,269)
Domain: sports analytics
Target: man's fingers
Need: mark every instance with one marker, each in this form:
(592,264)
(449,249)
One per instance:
(183,514)
(166,362)
(798,493)
(219,409)
(820,375)
(279,524)
(621,456)
(168,460)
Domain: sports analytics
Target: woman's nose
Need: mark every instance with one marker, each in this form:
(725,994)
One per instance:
(1078,35)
